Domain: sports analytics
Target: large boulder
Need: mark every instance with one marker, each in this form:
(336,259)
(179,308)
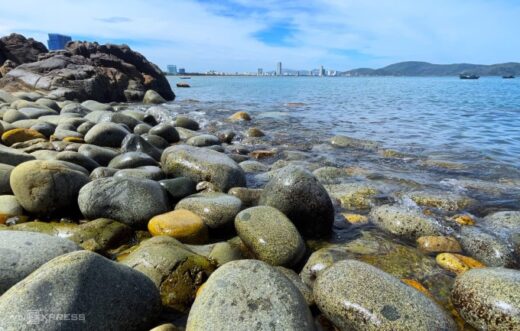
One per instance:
(249,294)
(88,70)
(202,164)
(19,49)
(46,187)
(88,291)
(298,194)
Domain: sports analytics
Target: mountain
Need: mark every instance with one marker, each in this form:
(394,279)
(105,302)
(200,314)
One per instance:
(415,68)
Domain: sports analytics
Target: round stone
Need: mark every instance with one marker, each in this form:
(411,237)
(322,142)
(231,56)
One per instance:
(215,209)
(180,224)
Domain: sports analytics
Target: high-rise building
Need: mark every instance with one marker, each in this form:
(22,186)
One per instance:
(57,41)
(182,71)
(172,69)
(279,69)
(260,72)
(322,71)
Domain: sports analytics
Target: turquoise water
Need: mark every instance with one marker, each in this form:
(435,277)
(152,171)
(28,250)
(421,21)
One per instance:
(464,120)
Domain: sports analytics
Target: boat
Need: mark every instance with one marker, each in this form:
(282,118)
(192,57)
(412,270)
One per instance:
(508,76)
(185,77)
(468,76)
(183,84)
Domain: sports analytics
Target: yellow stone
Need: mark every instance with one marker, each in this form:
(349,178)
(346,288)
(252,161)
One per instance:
(457,263)
(355,218)
(20,135)
(240,116)
(199,290)
(418,286)
(262,154)
(437,244)
(463,219)
(180,224)
(73,140)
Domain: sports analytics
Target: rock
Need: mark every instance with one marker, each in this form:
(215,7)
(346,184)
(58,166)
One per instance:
(62,230)
(296,193)
(93,105)
(448,202)
(166,131)
(355,218)
(13,115)
(203,140)
(102,172)
(175,270)
(457,263)
(357,296)
(247,293)
(106,134)
(248,196)
(20,135)
(226,136)
(142,128)
(10,206)
(45,128)
(48,103)
(152,97)
(489,299)
(240,116)
(505,225)
(156,141)
(135,143)
(186,123)
(99,293)
(254,133)
(405,223)
(223,253)
(119,118)
(438,244)
(13,156)
(487,248)
(305,290)
(180,224)
(19,49)
(47,187)
(23,252)
(349,142)
(270,235)
(354,196)
(330,175)
(79,159)
(262,154)
(101,155)
(201,164)
(5,174)
(101,234)
(179,188)
(144,172)
(131,160)
(86,70)
(253,167)
(216,209)
(130,201)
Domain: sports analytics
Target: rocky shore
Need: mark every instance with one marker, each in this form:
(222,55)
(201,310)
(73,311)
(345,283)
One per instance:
(120,211)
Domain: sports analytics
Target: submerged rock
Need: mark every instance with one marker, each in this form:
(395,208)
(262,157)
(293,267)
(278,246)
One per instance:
(357,296)
(101,234)
(99,293)
(297,193)
(487,248)
(249,293)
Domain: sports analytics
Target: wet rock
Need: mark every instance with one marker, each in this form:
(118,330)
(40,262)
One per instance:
(349,142)
(489,299)
(201,164)
(101,234)
(166,131)
(142,128)
(457,263)
(226,136)
(355,218)
(442,200)
(203,140)
(187,123)
(216,209)
(152,97)
(131,160)
(305,290)
(296,193)
(101,155)
(5,174)
(144,172)
(505,225)
(23,252)
(102,172)
(179,188)
(10,206)
(270,235)
(93,105)
(131,201)
(405,223)
(254,133)
(186,134)
(330,175)
(13,115)
(78,158)
(181,224)
(223,253)
(46,187)
(103,294)
(135,143)
(248,196)
(158,142)
(487,248)
(262,154)
(175,270)
(120,118)
(106,134)
(45,128)
(357,296)
(437,244)
(246,293)
(56,229)
(354,196)
(20,135)
(240,116)
(253,166)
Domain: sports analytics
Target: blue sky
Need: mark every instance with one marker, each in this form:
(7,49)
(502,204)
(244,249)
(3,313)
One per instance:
(243,35)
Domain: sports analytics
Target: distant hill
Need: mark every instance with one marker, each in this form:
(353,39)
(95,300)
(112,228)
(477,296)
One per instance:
(415,68)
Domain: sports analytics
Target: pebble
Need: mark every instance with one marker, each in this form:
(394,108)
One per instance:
(20,135)
(438,244)
(131,160)
(181,224)
(457,263)
(106,134)
(216,209)
(240,116)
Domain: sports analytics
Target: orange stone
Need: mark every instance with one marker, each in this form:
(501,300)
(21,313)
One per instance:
(262,154)
(180,224)
(14,136)
(73,140)
(438,244)
(418,286)
(457,263)
(240,116)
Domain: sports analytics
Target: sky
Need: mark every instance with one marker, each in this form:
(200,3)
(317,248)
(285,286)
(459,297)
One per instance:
(243,35)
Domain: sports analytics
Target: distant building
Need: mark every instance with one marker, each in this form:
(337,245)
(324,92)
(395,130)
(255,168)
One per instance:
(322,71)
(260,72)
(181,71)
(57,41)
(279,69)
(172,69)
